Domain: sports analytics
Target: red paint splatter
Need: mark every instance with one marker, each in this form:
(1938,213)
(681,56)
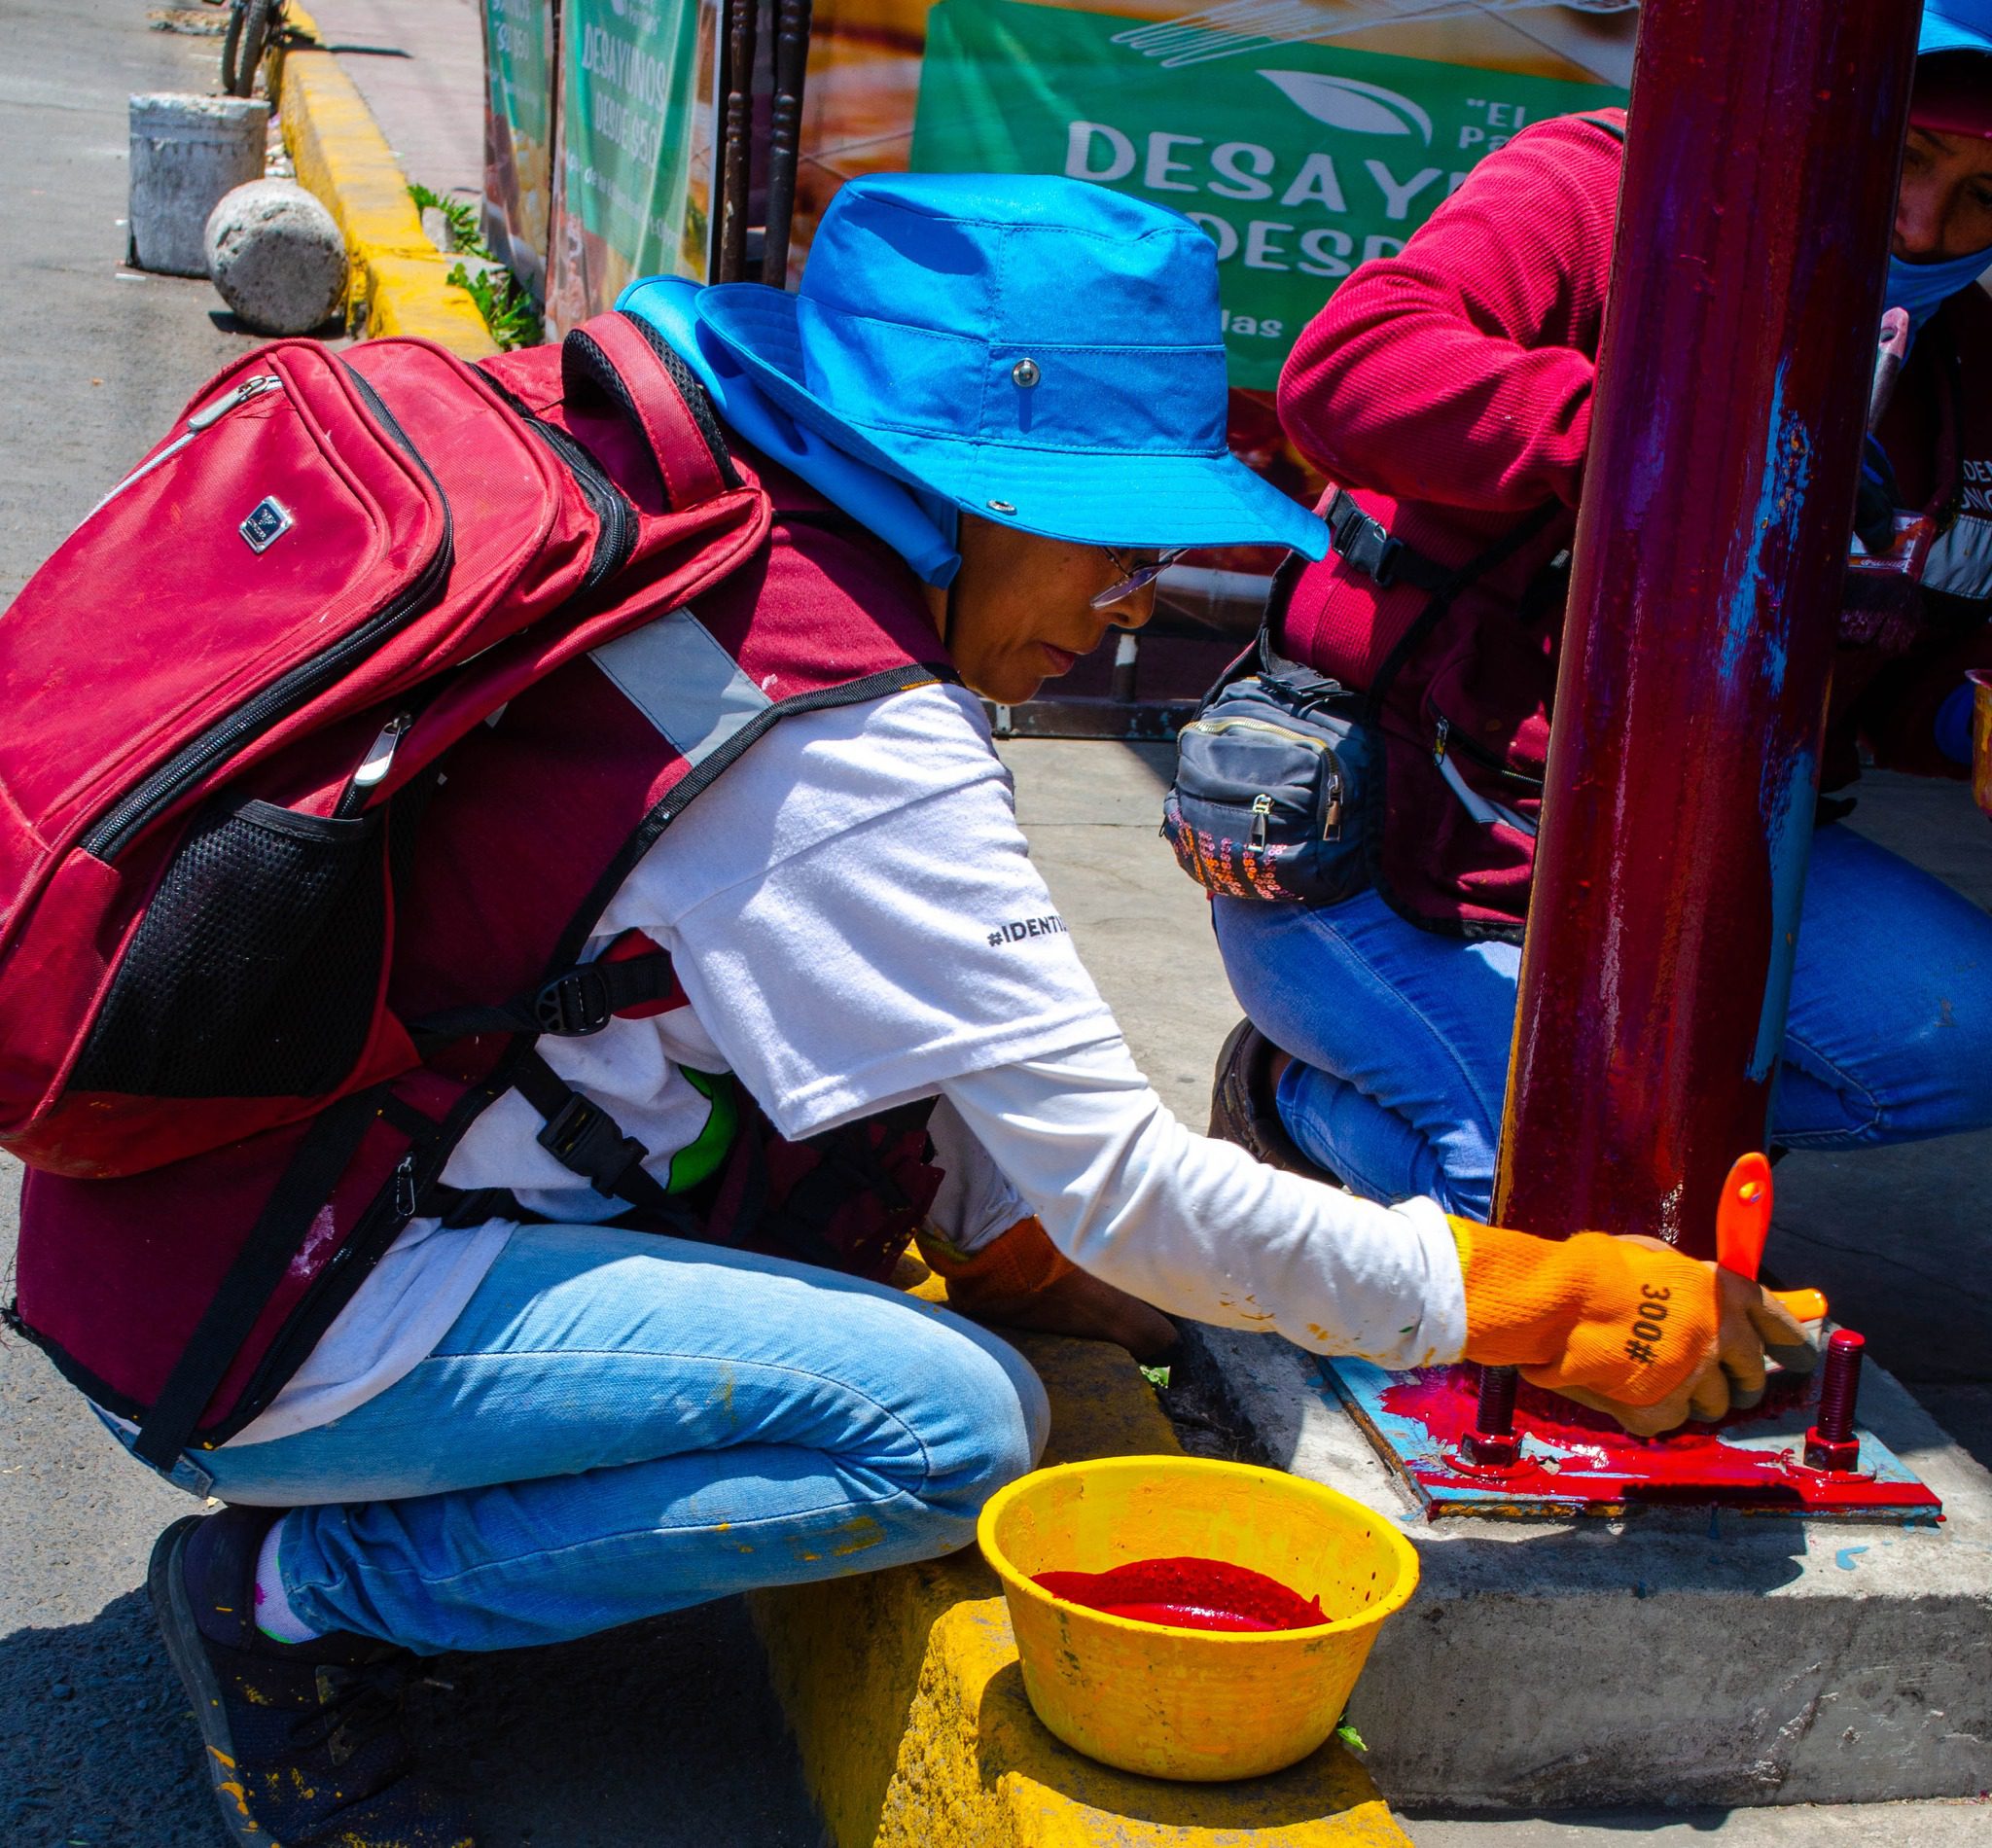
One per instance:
(1188,1594)
(1593,1460)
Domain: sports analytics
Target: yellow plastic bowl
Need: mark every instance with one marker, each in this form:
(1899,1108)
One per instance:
(1196,1705)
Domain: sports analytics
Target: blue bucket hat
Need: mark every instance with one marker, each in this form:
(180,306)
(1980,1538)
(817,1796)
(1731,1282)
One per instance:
(1041,352)
(1955,25)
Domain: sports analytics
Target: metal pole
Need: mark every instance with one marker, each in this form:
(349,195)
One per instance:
(737,138)
(1754,224)
(785,135)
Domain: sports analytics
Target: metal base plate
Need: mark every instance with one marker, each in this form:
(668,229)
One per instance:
(1577,1462)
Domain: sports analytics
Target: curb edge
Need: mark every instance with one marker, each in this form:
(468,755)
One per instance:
(398,281)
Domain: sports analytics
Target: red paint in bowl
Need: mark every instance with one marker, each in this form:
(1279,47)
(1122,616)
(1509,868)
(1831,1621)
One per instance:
(1186,1594)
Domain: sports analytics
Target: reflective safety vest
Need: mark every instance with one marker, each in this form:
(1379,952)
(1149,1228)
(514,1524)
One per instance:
(1464,681)
(183,1298)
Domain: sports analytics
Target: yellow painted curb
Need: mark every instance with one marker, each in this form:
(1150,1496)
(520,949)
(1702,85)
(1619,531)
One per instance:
(903,1694)
(399,280)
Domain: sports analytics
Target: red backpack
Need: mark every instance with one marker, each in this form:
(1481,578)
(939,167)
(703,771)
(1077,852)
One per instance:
(335,566)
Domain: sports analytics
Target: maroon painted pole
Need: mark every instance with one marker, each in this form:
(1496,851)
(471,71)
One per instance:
(1753,225)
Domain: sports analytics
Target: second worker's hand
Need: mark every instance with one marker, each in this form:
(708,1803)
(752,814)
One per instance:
(1752,1328)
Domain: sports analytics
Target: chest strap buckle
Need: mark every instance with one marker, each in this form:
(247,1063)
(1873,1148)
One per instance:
(585,998)
(1366,545)
(574,1004)
(586,1140)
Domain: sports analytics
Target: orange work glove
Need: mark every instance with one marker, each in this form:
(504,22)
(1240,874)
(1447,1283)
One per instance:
(1021,1280)
(1626,1325)
(1002,1276)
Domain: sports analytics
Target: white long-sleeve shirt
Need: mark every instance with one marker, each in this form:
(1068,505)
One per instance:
(854,916)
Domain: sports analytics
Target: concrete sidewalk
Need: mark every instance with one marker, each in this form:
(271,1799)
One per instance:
(1891,1235)
(421,68)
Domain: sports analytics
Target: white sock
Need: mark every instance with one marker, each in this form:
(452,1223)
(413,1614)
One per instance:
(274,1616)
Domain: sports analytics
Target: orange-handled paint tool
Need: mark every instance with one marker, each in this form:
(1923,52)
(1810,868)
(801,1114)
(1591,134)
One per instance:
(1743,1223)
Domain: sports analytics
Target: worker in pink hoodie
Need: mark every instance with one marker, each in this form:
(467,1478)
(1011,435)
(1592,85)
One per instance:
(1448,392)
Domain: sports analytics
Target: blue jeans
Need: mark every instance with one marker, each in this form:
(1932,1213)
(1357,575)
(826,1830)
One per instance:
(1401,1037)
(619,1425)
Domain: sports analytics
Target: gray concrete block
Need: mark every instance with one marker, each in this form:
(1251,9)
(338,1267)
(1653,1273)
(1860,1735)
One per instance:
(1950,1824)
(277,257)
(1688,1657)
(186,152)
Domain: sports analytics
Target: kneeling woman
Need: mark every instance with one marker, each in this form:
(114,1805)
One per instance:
(990,408)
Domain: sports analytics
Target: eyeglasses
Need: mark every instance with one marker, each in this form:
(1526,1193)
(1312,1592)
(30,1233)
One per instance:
(1138,577)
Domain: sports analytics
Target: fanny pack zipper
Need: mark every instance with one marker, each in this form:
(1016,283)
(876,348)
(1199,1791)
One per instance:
(129,817)
(1262,806)
(1217,726)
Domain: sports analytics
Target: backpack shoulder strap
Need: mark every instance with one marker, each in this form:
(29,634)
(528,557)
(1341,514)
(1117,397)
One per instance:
(618,358)
(1615,129)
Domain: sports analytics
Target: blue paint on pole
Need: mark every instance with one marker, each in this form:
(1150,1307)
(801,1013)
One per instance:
(1787,476)
(1788,815)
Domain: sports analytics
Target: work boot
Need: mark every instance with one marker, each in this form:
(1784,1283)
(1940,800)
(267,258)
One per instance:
(305,1747)
(1243,1108)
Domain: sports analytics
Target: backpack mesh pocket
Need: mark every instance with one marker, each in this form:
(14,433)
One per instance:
(256,969)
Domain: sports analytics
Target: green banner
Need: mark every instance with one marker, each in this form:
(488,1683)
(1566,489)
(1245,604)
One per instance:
(630,129)
(1300,161)
(519,59)
(519,134)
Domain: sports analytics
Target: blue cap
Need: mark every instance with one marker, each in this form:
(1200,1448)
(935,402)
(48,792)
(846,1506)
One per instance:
(1041,353)
(1955,25)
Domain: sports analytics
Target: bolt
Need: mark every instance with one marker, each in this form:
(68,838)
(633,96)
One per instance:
(1496,1415)
(1830,1443)
(1493,1444)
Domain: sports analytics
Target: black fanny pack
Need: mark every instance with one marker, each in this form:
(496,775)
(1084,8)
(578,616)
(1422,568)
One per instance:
(1280,777)
(1273,777)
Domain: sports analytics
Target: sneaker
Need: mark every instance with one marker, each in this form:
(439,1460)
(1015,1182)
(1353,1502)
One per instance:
(1243,1108)
(303,1739)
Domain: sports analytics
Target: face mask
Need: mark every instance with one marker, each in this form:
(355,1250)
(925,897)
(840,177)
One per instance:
(1922,287)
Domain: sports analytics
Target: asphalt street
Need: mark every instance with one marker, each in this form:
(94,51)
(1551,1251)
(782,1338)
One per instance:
(664,1735)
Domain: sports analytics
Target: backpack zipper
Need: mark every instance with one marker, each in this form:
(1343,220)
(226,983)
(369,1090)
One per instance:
(615,518)
(200,420)
(127,818)
(373,769)
(617,539)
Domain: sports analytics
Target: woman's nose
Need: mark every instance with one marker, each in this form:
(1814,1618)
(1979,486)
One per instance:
(1135,612)
(1919,224)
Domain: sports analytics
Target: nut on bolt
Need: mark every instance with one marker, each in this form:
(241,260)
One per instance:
(1492,1444)
(1841,1454)
(1491,1449)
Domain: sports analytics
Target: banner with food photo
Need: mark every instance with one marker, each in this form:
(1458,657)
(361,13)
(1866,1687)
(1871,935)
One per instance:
(633,151)
(519,135)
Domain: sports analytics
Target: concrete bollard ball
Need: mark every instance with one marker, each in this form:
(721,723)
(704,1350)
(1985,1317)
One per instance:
(277,257)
